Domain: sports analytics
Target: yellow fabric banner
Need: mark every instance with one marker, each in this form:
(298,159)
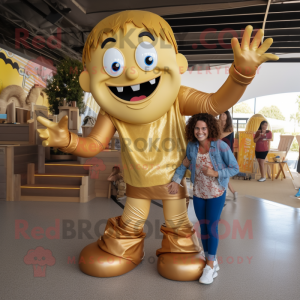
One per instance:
(246,152)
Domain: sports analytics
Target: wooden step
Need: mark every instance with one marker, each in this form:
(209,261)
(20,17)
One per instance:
(50,199)
(64,168)
(71,162)
(50,190)
(59,179)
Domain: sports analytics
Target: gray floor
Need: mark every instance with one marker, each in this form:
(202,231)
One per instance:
(273,272)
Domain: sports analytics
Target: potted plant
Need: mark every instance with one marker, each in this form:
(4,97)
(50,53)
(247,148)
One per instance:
(65,85)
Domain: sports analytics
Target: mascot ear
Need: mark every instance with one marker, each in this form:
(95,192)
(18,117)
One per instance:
(181,62)
(84,81)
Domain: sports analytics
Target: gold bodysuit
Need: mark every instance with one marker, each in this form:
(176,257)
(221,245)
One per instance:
(152,152)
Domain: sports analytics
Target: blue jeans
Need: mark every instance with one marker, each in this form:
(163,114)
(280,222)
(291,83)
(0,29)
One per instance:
(208,212)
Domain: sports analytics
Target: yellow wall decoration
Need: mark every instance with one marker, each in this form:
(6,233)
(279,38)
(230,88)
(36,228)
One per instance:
(246,152)
(9,75)
(16,70)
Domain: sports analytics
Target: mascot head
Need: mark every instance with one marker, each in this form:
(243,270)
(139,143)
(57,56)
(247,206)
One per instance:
(132,66)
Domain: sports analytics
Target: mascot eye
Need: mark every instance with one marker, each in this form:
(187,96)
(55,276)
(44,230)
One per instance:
(146,56)
(113,62)
(149,60)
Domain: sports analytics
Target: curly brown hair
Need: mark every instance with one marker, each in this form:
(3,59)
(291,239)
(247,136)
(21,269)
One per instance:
(212,126)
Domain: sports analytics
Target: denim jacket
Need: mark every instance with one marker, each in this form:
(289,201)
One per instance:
(221,157)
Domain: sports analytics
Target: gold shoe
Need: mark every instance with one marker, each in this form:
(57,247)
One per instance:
(181,266)
(180,258)
(95,262)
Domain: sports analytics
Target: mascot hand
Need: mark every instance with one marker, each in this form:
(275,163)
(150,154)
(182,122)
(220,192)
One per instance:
(248,57)
(56,134)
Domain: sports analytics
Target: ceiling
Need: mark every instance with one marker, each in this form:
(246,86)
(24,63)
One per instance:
(203,28)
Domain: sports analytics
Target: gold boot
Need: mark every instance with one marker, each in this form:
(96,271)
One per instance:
(179,258)
(115,253)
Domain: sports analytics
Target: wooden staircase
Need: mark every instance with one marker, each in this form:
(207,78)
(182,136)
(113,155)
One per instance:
(61,182)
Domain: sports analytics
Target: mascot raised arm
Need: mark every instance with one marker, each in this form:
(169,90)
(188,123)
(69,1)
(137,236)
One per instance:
(133,70)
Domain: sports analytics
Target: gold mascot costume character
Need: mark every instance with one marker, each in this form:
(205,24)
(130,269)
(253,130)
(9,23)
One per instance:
(133,70)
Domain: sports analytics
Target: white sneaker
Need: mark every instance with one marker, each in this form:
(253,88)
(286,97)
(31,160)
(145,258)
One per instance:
(235,196)
(262,179)
(216,266)
(207,275)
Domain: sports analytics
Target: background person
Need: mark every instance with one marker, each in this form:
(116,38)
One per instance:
(262,138)
(212,164)
(227,135)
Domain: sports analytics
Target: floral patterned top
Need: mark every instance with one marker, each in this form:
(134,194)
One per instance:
(206,187)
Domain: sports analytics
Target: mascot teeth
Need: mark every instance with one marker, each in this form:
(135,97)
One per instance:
(135,87)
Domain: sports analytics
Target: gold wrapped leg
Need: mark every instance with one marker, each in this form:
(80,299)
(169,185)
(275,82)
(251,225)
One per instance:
(119,241)
(121,248)
(179,257)
(115,253)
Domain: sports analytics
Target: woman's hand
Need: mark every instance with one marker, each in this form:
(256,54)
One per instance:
(263,135)
(260,137)
(173,187)
(257,136)
(207,171)
(186,162)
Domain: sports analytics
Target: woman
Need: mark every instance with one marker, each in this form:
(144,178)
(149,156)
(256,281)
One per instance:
(227,136)
(262,138)
(212,164)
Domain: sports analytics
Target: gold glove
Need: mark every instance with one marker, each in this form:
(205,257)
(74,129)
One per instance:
(56,134)
(248,58)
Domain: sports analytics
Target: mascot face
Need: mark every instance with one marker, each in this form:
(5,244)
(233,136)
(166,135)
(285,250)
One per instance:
(135,76)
